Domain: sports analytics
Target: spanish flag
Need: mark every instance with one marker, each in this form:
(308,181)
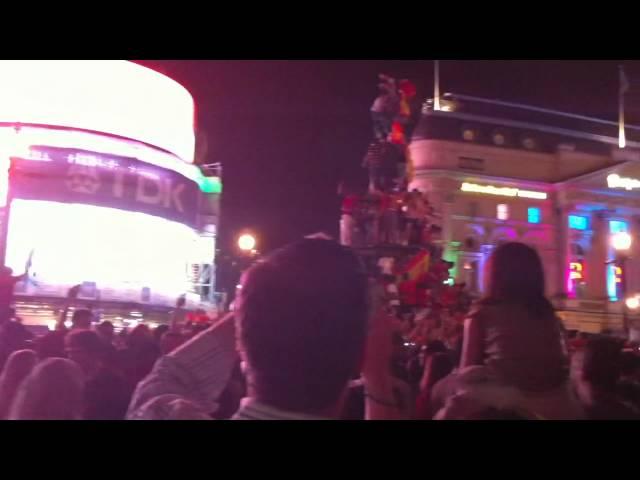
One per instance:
(417,267)
(412,274)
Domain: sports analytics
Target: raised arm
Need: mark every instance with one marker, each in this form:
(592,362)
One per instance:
(198,371)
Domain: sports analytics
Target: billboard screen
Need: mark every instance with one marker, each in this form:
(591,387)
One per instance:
(79,176)
(119,255)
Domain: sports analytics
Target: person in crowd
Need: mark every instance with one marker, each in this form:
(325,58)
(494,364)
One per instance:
(7,284)
(18,366)
(482,395)
(438,366)
(577,341)
(232,395)
(51,345)
(81,319)
(170,407)
(138,357)
(515,333)
(52,391)
(13,336)
(159,332)
(106,394)
(301,323)
(598,383)
(120,341)
(628,384)
(106,331)
(170,341)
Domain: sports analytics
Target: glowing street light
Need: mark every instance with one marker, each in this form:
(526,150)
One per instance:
(621,241)
(247,242)
(633,302)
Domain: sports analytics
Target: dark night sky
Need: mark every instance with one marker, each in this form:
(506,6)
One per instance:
(287,131)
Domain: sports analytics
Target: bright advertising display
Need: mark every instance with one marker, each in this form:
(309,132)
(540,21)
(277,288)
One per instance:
(118,255)
(124,229)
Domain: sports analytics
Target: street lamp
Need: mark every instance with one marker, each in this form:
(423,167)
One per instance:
(621,243)
(633,303)
(247,243)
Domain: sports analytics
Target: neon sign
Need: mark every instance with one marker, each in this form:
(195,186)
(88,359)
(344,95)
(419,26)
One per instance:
(576,277)
(502,191)
(575,271)
(616,181)
(578,222)
(74,176)
(533,215)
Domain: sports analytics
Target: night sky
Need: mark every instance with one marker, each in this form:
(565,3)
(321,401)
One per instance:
(286,132)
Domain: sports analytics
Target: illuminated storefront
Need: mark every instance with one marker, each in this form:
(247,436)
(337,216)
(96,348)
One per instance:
(558,182)
(97,188)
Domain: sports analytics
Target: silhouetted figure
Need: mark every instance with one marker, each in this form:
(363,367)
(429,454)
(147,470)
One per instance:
(106,394)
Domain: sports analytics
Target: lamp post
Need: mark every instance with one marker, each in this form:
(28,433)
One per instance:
(247,243)
(621,243)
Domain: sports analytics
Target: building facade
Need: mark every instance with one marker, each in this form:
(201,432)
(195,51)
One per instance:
(559,182)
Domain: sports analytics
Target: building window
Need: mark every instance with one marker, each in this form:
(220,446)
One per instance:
(502,212)
(578,222)
(469,134)
(529,143)
(468,163)
(534,215)
(499,139)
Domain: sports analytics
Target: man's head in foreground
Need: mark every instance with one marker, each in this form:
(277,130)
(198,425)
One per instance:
(302,325)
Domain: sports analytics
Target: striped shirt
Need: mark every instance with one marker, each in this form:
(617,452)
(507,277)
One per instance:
(251,409)
(187,383)
(198,371)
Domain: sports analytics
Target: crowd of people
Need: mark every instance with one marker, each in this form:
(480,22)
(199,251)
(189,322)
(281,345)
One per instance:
(312,337)
(86,371)
(387,218)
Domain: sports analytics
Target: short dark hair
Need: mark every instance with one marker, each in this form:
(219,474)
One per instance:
(81,318)
(302,322)
(602,362)
(88,341)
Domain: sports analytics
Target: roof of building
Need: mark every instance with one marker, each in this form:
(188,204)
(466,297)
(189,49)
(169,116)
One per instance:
(511,125)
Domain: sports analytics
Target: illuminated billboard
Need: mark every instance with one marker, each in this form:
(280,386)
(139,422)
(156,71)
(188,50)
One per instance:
(124,228)
(127,256)
(78,176)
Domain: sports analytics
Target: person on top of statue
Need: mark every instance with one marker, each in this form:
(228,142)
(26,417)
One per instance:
(416,214)
(382,159)
(385,107)
(349,210)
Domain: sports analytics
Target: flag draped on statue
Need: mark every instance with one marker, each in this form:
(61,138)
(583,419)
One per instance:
(414,273)
(417,267)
